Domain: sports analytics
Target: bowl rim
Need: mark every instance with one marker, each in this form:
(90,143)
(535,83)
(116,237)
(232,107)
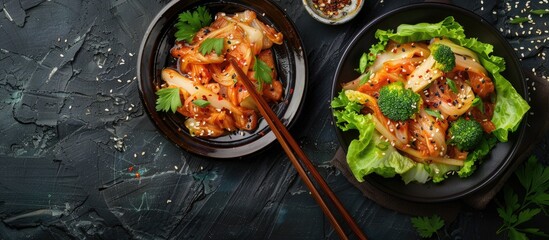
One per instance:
(520,131)
(297,57)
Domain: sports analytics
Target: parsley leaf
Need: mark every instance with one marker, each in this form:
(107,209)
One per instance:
(201,103)
(211,44)
(168,99)
(534,178)
(262,72)
(189,23)
(427,226)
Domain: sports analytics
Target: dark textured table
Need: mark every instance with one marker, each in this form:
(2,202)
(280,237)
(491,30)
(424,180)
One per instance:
(80,159)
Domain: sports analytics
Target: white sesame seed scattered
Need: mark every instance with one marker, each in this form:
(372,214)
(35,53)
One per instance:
(106,109)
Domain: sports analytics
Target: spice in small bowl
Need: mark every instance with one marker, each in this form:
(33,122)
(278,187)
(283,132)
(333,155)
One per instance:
(331,7)
(333,11)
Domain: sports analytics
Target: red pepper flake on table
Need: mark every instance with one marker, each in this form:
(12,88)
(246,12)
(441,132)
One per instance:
(331,8)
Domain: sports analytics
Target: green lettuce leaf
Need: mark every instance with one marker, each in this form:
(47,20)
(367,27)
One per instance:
(418,173)
(369,154)
(422,31)
(475,156)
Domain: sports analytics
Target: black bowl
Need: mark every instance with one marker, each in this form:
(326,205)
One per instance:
(154,56)
(503,153)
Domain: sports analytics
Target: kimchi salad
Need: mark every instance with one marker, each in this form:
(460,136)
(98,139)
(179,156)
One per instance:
(429,103)
(203,86)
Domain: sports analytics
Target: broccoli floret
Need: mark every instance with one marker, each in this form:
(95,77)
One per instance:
(398,103)
(465,134)
(444,57)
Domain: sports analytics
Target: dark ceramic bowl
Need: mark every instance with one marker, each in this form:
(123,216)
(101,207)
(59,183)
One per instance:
(501,156)
(154,56)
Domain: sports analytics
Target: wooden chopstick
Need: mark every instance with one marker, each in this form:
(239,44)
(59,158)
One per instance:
(290,146)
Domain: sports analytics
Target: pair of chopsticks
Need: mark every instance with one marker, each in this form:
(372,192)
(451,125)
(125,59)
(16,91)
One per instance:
(291,148)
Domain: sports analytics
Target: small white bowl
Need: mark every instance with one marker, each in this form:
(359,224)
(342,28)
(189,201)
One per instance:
(343,15)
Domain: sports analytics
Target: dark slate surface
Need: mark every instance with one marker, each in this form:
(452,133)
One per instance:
(75,138)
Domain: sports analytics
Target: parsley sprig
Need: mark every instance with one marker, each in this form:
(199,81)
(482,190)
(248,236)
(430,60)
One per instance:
(168,99)
(262,73)
(212,44)
(427,226)
(190,22)
(534,177)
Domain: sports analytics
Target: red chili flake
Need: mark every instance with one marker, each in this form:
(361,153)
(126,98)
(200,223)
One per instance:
(130,169)
(331,7)
(291,90)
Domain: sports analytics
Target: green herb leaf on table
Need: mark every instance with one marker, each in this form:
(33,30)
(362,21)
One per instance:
(201,103)
(534,178)
(262,73)
(518,20)
(540,11)
(168,99)
(427,226)
(211,44)
(190,22)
